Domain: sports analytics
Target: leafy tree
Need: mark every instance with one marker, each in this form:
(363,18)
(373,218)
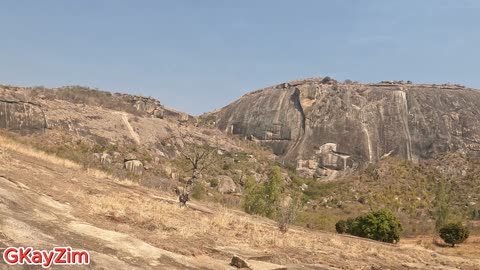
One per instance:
(380,225)
(263,198)
(253,201)
(454,233)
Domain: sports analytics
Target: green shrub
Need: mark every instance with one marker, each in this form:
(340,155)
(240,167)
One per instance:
(341,226)
(454,233)
(379,225)
(213,182)
(475,214)
(263,198)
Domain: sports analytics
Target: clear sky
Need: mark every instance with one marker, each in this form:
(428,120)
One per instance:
(200,55)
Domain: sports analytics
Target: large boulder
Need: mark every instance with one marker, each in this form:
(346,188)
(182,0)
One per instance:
(22,116)
(337,127)
(134,166)
(226,184)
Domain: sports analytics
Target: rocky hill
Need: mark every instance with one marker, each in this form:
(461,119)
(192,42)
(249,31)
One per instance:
(127,135)
(395,143)
(322,126)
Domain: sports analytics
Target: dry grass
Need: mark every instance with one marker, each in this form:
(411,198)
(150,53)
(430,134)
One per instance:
(470,248)
(104,175)
(8,144)
(11,145)
(169,220)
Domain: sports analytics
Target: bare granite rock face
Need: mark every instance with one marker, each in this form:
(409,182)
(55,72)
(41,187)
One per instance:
(22,116)
(322,126)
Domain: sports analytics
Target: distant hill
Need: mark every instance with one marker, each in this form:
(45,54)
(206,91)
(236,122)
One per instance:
(322,126)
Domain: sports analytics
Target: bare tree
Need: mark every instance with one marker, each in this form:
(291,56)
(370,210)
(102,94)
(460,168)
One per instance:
(199,156)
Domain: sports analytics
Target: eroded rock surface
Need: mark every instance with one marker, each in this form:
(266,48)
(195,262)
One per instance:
(323,126)
(21,116)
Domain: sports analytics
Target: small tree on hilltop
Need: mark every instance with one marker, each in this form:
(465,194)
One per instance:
(454,233)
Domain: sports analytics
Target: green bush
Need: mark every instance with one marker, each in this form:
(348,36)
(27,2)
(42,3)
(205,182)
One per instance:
(263,198)
(341,227)
(379,225)
(454,233)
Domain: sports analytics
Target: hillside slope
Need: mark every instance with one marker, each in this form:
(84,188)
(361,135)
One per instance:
(126,226)
(322,126)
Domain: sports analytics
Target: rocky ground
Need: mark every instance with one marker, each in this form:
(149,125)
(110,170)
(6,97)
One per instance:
(46,201)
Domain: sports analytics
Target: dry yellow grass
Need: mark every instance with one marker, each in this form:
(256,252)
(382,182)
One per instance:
(11,145)
(104,175)
(7,144)
(171,220)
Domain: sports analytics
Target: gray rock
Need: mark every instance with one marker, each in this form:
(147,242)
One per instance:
(239,262)
(226,184)
(22,116)
(117,156)
(106,159)
(134,166)
(147,166)
(339,127)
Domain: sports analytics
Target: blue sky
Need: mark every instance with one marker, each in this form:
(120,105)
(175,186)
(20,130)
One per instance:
(197,56)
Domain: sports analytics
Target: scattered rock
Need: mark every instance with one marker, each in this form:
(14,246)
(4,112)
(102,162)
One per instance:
(239,262)
(134,166)
(117,156)
(304,187)
(226,184)
(106,159)
(148,166)
(168,170)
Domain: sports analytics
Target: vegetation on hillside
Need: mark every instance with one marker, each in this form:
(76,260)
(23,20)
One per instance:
(454,233)
(379,225)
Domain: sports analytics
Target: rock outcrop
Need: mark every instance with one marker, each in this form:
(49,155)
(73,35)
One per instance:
(153,107)
(133,165)
(323,126)
(226,184)
(21,116)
